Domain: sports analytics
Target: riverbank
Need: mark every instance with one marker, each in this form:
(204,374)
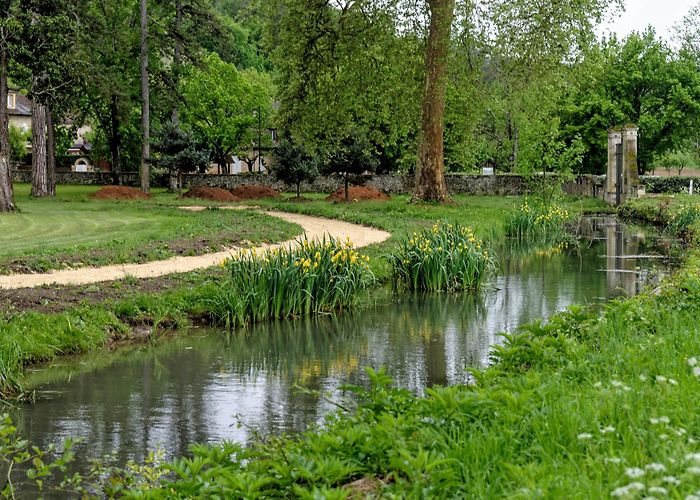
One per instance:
(595,403)
(43,323)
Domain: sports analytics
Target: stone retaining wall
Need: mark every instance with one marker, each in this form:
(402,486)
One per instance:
(503,185)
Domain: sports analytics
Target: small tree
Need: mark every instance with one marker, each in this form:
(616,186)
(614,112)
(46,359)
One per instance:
(353,159)
(294,164)
(175,152)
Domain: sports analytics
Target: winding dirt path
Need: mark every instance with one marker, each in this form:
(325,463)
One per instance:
(314,228)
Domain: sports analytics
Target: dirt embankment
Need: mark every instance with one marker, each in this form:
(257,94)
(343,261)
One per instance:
(120,193)
(358,193)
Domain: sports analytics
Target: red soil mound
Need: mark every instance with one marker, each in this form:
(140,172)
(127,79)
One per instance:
(210,193)
(120,193)
(254,192)
(358,193)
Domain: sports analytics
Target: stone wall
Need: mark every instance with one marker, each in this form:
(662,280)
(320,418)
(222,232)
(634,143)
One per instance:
(503,185)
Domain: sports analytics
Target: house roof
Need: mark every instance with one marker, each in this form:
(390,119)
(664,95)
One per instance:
(23,106)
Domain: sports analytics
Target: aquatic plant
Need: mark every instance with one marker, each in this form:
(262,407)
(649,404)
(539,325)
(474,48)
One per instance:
(446,257)
(537,220)
(316,276)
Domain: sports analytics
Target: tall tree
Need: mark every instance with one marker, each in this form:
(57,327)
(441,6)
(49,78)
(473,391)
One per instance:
(7,28)
(430,170)
(145,102)
(40,173)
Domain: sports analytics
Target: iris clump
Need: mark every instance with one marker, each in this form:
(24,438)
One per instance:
(446,257)
(316,276)
(538,221)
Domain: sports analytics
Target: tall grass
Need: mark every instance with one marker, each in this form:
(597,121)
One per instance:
(290,282)
(446,257)
(537,220)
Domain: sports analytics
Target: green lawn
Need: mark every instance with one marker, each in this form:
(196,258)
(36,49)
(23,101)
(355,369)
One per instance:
(74,229)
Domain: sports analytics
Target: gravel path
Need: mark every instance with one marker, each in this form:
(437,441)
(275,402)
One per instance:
(314,228)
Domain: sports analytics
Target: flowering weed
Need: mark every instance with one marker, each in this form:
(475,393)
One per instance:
(540,221)
(446,257)
(290,282)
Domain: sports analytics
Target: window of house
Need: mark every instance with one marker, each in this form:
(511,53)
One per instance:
(11,101)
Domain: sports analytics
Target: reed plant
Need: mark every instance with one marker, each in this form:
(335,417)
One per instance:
(445,257)
(314,277)
(538,220)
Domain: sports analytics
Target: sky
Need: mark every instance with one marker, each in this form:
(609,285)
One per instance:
(661,14)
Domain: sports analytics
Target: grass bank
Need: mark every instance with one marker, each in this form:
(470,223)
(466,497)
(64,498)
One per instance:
(593,404)
(74,230)
(93,322)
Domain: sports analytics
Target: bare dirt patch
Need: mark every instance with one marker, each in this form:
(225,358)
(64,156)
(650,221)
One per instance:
(358,193)
(255,192)
(210,193)
(120,193)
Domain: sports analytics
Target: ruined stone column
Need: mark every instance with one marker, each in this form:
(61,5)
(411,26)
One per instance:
(614,138)
(632,185)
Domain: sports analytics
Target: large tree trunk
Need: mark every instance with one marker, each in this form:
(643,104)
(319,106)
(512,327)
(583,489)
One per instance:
(50,152)
(40,174)
(7,199)
(145,102)
(430,170)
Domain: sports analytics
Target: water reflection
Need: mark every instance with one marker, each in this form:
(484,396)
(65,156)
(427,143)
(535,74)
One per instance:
(192,388)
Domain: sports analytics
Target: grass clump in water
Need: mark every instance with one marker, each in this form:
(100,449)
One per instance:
(538,220)
(290,282)
(446,257)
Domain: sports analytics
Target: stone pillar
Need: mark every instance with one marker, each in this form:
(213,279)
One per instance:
(614,138)
(630,186)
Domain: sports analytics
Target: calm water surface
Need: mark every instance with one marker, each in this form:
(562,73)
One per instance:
(197,387)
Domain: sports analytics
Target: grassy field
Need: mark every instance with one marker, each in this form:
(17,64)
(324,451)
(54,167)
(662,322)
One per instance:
(74,230)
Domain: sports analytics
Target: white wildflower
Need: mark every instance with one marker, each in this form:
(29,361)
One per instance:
(616,383)
(692,497)
(643,377)
(693,470)
(672,381)
(656,467)
(663,437)
(692,441)
(664,419)
(634,472)
(612,460)
(696,371)
(606,430)
(693,457)
(681,431)
(584,435)
(659,490)
(671,480)
(598,385)
(661,379)
(624,491)
(653,421)
(693,361)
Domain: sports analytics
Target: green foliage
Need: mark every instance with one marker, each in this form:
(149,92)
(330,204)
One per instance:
(352,158)
(669,184)
(221,105)
(679,215)
(175,151)
(538,221)
(18,145)
(676,160)
(288,282)
(638,80)
(293,164)
(446,257)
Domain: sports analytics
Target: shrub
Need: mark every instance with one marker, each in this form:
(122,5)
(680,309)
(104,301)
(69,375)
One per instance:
(537,220)
(293,164)
(290,282)
(683,219)
(354,159)
(446,257)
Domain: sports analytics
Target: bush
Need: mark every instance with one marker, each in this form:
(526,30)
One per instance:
(290,282)
(447,257)
(293,164)
(669,184)
(537,220)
